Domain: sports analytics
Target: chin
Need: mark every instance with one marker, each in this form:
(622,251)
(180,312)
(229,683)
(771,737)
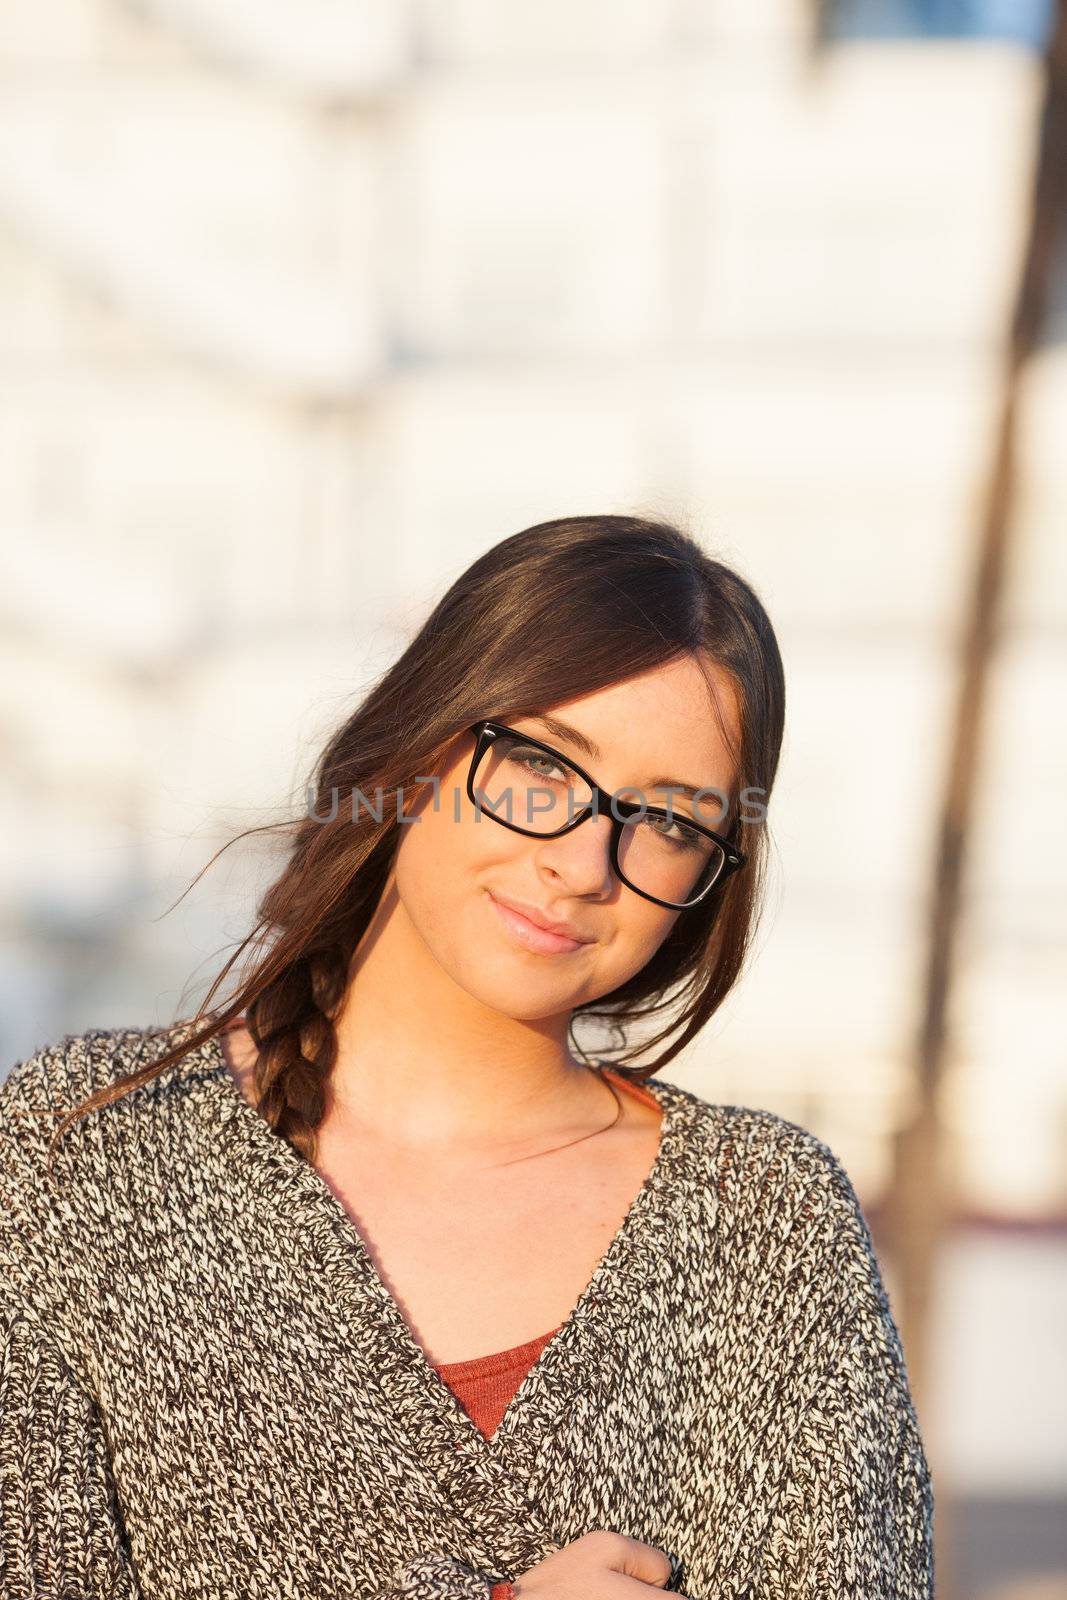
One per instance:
(518,994)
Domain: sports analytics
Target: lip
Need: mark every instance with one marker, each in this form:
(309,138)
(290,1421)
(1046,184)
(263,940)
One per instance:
(529,927)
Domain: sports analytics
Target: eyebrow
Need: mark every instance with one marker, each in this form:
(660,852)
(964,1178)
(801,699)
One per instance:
(563,730)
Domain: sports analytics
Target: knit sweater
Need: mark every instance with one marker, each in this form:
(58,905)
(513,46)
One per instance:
(207,1392)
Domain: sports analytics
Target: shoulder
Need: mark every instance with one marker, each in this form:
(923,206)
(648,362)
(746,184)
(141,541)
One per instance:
(788,1226)
(762,1159)
(68,1206)
(95,1148)
(36,1091)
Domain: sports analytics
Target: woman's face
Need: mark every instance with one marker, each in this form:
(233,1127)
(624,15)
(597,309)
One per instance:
(454,866)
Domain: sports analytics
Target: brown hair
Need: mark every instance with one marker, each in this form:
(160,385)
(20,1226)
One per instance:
(547,615)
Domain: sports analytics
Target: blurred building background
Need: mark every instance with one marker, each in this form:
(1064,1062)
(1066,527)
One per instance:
(302,307)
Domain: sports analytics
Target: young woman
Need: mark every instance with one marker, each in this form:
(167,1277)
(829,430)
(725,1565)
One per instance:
(371,1284)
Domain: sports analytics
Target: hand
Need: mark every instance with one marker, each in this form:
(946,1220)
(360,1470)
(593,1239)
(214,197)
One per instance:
(599,1566)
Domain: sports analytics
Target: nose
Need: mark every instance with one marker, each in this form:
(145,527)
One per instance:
(581,858)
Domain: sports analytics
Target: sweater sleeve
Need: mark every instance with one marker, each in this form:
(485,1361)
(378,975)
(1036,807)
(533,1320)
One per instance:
(61,1531)
(855,1521)
(435,1576)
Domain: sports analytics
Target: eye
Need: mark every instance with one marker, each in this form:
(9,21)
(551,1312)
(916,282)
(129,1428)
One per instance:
(525,756)
(676,833)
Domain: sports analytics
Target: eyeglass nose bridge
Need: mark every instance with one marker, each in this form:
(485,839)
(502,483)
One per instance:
(599,804)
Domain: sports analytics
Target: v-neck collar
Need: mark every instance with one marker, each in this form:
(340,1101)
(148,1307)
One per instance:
(413,1391)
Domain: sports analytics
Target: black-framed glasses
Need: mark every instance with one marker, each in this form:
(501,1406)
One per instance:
(661,854)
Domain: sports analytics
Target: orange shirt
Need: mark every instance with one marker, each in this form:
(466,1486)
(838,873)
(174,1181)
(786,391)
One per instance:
(484,1385)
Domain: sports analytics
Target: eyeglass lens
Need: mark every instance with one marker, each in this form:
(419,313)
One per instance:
(541,793)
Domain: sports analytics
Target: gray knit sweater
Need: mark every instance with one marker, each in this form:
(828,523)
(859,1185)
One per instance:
(208,1393)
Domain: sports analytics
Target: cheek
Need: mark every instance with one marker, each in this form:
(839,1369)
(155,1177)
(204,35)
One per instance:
(645,935)
(629,941)
(425,860)
(436,873)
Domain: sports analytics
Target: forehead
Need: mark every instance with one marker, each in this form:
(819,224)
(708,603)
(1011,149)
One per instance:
(682,717)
